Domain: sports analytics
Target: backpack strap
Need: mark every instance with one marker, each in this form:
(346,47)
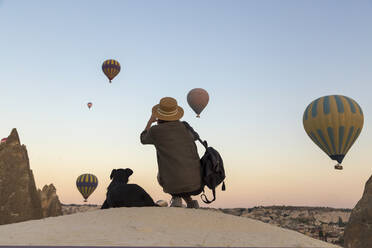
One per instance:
(205,199)
(204,143)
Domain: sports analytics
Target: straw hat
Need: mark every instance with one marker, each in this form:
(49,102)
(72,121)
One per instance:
(167,110)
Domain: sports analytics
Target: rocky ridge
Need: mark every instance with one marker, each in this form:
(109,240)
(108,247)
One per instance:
(322,223)
(76,208)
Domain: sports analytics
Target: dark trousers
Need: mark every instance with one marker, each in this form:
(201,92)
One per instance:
(196,192)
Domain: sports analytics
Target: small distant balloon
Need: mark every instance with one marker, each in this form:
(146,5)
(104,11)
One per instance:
(111,68)
(3,140)
(198,99)
(86,184)
(89,104)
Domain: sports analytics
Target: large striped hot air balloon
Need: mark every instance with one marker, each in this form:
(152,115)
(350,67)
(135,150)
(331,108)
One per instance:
(86,184)
(334,123)
(111,68)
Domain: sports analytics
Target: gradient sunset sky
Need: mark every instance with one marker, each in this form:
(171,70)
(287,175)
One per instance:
(262,63)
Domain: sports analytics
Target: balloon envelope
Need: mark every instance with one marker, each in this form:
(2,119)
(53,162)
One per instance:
(111,68)
(89,104)
(333,123)
(86,184)
(198,99)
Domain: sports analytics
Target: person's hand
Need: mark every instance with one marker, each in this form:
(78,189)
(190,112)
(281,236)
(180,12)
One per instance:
(152,118)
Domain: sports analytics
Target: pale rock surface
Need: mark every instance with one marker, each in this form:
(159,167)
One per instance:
(153,226)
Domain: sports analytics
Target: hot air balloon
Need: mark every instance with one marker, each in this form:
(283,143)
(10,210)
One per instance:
(111,68)
(89,104)
(334,123)
(86,184)
(198,99)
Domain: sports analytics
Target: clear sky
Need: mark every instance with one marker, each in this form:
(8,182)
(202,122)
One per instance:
(262,63)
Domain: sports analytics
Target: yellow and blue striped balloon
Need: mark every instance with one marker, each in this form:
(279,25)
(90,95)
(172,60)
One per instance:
(111,68)
(86,184)
(334,123)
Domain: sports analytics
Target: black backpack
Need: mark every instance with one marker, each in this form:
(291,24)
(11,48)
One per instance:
(212,170)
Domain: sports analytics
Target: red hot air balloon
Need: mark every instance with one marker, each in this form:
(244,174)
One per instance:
(198,99)
(89,104)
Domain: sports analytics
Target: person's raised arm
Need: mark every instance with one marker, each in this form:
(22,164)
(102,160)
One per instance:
(145,135)
(151,120)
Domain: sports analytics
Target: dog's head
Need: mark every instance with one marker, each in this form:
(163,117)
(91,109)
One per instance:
(121,175)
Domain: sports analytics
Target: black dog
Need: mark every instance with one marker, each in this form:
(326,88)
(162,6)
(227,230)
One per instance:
(122,194)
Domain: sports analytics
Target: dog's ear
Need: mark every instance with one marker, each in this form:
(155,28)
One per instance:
(129,172)
(112,173)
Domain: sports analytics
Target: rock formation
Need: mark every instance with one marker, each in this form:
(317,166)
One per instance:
(358,231)
(19,199)
(49,201)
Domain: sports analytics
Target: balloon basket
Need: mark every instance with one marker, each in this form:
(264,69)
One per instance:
(338,167)
(198,116)
(85,200)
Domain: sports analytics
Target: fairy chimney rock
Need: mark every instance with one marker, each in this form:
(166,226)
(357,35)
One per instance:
(13,138)
(49,201)
(358,231)
(19,199)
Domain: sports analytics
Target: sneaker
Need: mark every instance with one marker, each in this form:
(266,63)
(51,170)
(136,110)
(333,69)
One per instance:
(193,204)
(162,203)
(176,202)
